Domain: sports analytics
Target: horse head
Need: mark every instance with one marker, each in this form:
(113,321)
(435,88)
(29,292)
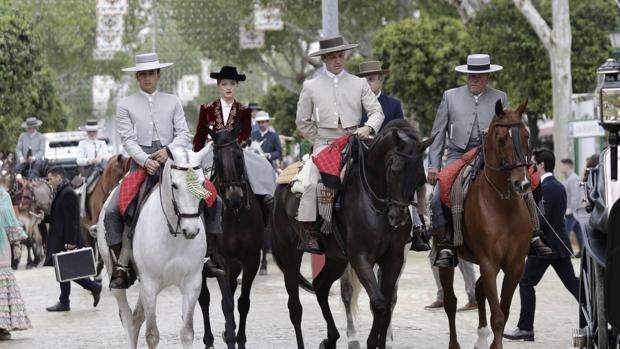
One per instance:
(182,190)
(116,169)
(506,146)
(229,166)
(399,154)
(42,195)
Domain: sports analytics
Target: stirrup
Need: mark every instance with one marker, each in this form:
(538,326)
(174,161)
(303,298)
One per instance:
(446,258)
(120,277)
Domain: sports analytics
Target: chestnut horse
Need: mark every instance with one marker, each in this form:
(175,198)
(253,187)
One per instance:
(497,226)
(374,224)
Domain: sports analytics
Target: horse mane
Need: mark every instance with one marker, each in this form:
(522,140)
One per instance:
(402,126)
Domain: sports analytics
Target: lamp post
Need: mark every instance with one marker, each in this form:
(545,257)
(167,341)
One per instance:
(609,107)
(614,38)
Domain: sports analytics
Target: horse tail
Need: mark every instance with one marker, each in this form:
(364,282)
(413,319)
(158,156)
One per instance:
(303,282)
(356,287)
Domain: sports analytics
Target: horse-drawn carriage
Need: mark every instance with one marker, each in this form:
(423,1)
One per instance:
(599,304)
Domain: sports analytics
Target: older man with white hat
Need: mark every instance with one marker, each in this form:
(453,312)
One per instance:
(30,150)
(267,137)
(330,106)
(463,113)
(147,122)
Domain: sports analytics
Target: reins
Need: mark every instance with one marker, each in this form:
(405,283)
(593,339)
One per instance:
(180,215)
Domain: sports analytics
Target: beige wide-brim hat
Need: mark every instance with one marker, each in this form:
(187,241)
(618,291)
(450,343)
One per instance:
(147,61)
(262,116)
(32,122)
(478,64)
(329,45)
(371,67)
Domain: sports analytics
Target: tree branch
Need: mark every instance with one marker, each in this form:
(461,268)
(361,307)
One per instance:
(303,33)
(531,14)
(282,80)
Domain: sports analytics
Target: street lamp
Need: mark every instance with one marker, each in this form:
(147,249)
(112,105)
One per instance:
(609,107)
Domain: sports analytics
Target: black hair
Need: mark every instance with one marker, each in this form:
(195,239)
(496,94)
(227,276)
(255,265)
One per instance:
(545,155)
(567,162)
(57,171)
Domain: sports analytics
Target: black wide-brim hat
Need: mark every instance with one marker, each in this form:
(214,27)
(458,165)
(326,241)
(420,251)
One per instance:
(229,73)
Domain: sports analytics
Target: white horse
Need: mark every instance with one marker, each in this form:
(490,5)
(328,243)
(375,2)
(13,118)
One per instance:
(161,258)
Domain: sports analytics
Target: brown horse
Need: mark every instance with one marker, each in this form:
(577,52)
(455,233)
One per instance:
(497,227)
(374,224)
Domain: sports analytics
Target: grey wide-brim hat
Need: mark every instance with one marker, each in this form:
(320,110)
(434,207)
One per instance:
(371,67)
(262,116)
(329,45)
(92,126)
(478,64)
(147,61)
(32,122)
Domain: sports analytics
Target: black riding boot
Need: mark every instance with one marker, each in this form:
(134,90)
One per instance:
(211,268)
(419,240)
(309,242)
(120,273)
(538,247)
(446,255)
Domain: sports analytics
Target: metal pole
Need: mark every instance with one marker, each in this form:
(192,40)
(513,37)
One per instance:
(330,18)
(154,29)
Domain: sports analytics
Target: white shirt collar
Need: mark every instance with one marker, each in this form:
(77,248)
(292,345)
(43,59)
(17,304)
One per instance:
(148,96)
(332,75)
(263,133)
(226,108)
(379,94)
(546,175)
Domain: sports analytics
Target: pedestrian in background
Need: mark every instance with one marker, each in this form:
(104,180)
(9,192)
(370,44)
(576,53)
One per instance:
(552,225)
(65,234)
(13,315)
(574,200)
(270,140)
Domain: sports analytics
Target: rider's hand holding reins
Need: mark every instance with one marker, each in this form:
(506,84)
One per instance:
(151,166)
(363,132)
(431,177)
(160,156)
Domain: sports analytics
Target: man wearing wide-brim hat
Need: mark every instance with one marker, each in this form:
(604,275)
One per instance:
(375,76)
(462,115)
(147,122)
(91,159)
(30,150)
(330,106)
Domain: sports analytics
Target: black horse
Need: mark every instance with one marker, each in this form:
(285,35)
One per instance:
(373,223)
(238,248)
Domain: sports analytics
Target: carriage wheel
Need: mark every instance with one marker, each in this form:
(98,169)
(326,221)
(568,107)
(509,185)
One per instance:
(592,317)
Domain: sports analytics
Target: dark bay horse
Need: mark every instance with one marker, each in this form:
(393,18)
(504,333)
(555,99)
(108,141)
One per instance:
(374,224)
(497,226)
(238,248)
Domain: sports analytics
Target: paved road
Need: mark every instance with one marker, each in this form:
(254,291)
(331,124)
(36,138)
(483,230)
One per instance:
(268,323)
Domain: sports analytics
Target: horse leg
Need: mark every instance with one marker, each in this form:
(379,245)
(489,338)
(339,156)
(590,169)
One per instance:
(148,296)
(295,309)
(511,280)
(204,299)
(263,262)
(332,270)
(483,330)
(124,313)
(349,299)
(488,274)
(250,268)
(191,288)
(137,321)
(390,273)
(446,276)
(228,284)
(378,303)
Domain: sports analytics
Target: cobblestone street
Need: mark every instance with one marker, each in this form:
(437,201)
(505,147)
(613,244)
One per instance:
(268,323)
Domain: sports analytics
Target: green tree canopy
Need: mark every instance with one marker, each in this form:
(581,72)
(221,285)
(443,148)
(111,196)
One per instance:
(27,87)
(281,104)
(422,55)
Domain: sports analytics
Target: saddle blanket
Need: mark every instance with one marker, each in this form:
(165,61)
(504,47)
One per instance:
(130,187)
(289,173)
(448,175)
(329,161)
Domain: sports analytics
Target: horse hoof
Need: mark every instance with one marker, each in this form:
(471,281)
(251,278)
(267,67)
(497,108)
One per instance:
(325,345)
(354,345)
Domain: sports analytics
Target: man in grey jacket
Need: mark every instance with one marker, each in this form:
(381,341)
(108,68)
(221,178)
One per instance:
(147,122)
(330,106)
(574,200)
(30,150)
(462,115)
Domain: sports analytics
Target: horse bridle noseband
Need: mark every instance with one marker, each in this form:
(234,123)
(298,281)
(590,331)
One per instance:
(242,183)
(180,215)
(387,201)
(519,158)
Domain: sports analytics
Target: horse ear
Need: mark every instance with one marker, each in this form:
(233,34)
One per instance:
(119,160)
(427,143)
(397,140)
(521,108)
(499,108)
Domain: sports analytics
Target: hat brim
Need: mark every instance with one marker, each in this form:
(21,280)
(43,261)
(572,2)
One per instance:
(147,67)
(39,123)
(493,68)
(333,49)
(220,76)
(91,128)
(371,72)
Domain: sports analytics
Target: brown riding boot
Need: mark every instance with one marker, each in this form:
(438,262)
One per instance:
(120,275)
(308,234)
(446,256)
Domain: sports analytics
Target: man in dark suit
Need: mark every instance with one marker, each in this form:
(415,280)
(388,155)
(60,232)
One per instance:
(375,76)
(552,224)
(271,141)
(65,234)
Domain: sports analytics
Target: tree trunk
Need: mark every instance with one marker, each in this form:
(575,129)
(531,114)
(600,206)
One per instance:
(532,122)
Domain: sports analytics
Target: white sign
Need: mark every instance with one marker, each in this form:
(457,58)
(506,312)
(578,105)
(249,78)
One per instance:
(188,87)
(586,128)
(110,24)
(110,42)
(268,19)
(250,38)
(102,55)
(111,6)
(206,71)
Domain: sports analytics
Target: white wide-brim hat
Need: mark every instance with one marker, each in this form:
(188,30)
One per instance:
(92,126)
(147,61)
(478,64)
(262,116)
(32,122)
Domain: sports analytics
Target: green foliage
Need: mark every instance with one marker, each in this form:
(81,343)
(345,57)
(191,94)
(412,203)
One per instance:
(27,88)
(422,55)
(281,104)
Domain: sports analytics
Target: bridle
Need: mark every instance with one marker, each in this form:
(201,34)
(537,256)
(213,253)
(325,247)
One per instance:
(519,157)
(242,182)
(388,201)
(180,215)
